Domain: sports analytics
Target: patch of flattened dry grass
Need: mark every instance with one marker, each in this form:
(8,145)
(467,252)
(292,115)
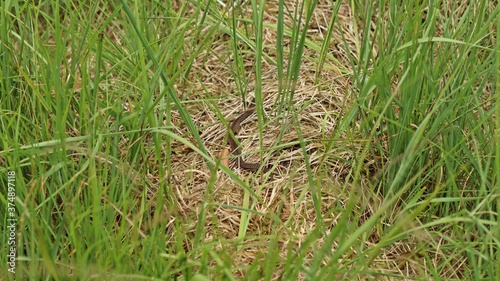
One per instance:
(284,211)
(320,99)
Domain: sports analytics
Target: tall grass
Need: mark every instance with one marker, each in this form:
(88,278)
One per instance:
(86,106)
(427,101)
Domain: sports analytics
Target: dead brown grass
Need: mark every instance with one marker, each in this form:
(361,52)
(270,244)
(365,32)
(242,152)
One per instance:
(319,101)
(211,80)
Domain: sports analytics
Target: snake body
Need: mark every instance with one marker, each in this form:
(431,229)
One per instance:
(236,150)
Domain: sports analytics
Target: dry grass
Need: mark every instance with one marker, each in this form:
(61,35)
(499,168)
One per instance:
(319,98)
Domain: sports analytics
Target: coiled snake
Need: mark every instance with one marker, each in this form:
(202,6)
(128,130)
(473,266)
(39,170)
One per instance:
(236,150)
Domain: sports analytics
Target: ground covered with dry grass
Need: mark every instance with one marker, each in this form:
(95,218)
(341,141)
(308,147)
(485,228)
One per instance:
(320,100)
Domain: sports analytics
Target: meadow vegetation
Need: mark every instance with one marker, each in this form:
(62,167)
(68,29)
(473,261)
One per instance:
(380,121)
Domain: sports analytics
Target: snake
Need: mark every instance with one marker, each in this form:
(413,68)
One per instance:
(236,150)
